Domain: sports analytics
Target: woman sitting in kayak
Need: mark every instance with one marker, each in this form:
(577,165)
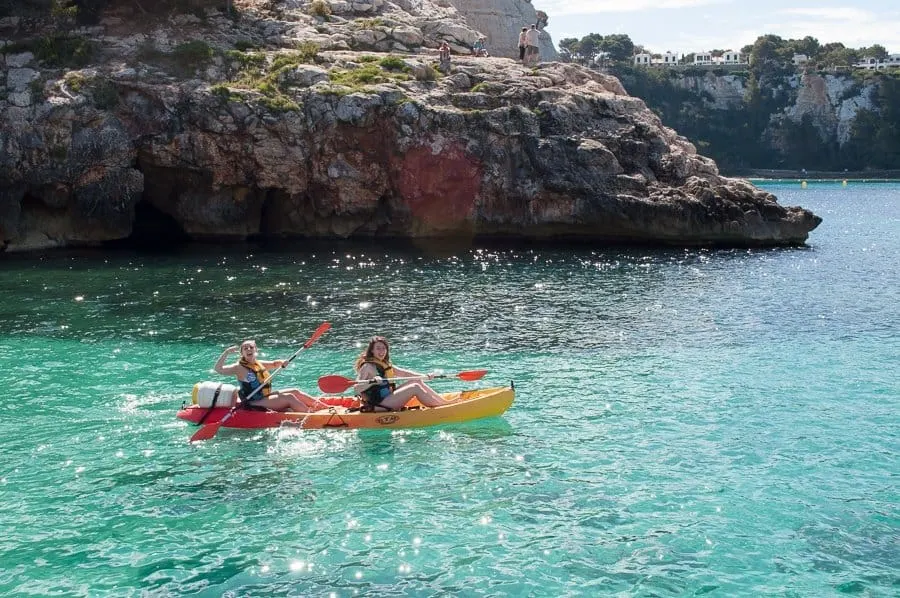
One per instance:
(375,364)
(251,373)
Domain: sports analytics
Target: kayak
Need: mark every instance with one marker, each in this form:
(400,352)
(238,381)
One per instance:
(343,412)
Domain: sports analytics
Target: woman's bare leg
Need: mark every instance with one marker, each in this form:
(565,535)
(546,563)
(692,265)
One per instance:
(291,400)
(281,402)
(311,403)
(423,392)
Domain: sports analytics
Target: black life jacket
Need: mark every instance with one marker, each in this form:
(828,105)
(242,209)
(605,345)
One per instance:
(379,392)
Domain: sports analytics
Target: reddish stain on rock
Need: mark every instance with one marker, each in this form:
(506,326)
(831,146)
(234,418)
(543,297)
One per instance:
(440,187)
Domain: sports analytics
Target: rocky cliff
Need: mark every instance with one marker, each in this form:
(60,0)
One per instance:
(290,119)
(501,21)
(831,102)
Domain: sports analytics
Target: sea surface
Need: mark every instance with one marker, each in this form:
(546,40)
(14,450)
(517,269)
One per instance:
(687,422)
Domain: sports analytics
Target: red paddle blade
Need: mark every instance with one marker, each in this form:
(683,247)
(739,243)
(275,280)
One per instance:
(322,329)
(334,383)
(472,375)
(206,432)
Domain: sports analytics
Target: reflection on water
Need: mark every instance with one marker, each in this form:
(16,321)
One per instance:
(686,422)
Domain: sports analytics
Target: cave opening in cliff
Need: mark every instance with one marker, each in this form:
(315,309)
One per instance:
(154,228)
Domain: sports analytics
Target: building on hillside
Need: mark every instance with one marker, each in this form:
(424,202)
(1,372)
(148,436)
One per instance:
(870,63)
(729,57)
(647,59)
(799,59)
(667,59)
(642,59)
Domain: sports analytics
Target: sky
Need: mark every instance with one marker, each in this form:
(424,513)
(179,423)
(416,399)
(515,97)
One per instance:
(683,26)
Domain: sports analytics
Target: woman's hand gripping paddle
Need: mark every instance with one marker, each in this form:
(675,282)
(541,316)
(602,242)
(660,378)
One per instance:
(334,383)
(209,430)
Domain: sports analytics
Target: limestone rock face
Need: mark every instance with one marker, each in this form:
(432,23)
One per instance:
(726,91)
(501,21)
(830,101)
(345,143)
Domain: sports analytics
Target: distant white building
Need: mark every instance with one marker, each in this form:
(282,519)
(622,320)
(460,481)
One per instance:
(667,59)
(703,58)
(729,57)
(893,60)
(642,59)
(799,59)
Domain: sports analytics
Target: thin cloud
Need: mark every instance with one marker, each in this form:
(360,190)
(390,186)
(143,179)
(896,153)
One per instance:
(589,7)
(845,13)
(851,26)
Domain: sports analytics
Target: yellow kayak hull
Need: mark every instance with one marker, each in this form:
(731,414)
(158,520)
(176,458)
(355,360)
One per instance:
(468,405)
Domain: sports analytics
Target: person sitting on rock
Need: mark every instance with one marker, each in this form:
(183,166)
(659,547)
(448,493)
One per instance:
(478,48)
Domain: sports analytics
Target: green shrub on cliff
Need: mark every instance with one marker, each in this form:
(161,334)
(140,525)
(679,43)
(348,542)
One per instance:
(306,53)
(393,63)
(320,8)
(75,81)
(368,74)
(56,51)
(368,23)
(193,53)
(279,103)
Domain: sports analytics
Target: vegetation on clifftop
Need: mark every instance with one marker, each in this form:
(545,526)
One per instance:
(739,138)
(755,134)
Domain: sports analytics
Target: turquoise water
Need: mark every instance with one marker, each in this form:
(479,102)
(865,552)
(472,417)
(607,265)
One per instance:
(686,422)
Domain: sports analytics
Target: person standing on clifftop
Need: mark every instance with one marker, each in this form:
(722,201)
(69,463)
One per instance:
(444,54)
(522,44)
(532,52)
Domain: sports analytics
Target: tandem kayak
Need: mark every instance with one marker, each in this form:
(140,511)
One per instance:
(344,413)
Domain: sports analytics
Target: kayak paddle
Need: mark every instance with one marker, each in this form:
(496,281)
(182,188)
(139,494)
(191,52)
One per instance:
(209,430)
(335,383)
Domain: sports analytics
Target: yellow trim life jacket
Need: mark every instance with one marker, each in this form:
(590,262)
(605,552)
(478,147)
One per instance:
(262,374)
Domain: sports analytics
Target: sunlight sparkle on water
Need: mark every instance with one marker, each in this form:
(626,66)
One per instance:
(297,565)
